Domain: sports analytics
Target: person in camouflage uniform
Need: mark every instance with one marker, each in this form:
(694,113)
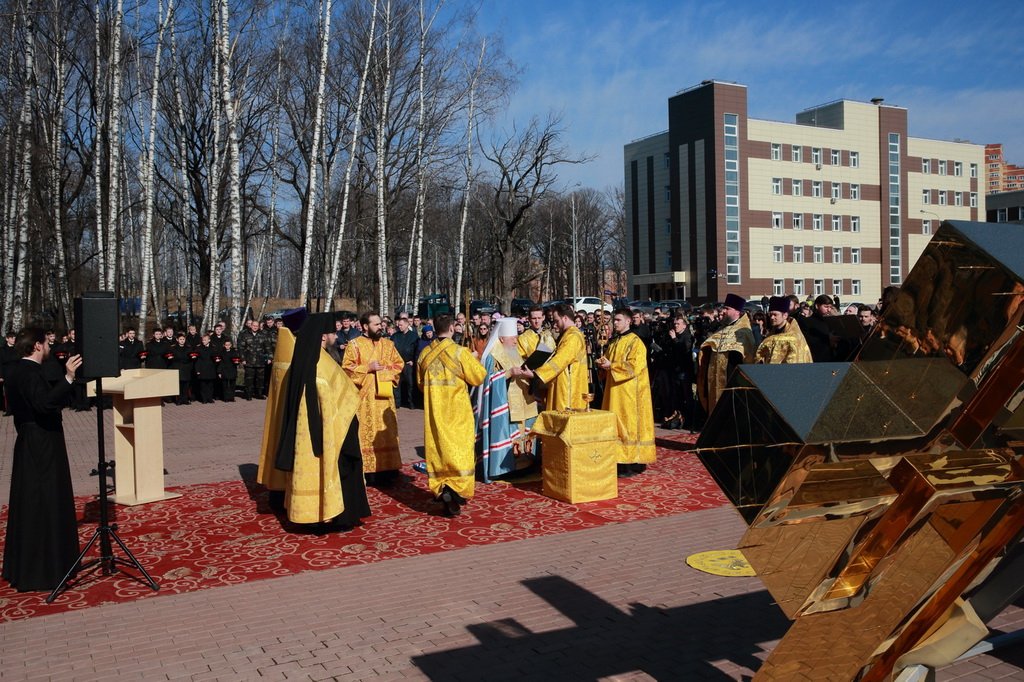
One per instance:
(251,348)
(269,334)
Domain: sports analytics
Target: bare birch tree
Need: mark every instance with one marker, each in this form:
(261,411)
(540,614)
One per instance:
(346,184)
(326,8)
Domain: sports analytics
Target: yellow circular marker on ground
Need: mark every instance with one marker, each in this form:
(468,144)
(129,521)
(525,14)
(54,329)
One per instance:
(727,562)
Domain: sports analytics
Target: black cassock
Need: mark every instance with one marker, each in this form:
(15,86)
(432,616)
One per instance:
(42,530)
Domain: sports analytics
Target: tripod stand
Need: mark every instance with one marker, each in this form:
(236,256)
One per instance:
(107,562)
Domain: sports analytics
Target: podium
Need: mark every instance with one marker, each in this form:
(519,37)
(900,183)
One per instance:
(139,432)
(581,452)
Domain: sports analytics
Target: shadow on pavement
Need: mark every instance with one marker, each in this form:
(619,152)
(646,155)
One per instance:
(666,643)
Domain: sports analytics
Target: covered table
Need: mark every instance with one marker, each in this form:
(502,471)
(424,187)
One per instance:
(581,451)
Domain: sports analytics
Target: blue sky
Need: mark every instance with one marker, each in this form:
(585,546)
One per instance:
(610,66)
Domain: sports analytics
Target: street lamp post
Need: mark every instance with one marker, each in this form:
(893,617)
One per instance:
(575,281)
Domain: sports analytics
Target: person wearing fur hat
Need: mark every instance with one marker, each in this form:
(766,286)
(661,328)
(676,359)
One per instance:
(732,344)
(785,343)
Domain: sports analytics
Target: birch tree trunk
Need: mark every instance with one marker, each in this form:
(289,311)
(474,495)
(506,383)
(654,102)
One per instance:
(113,104)
(234,170)
(24,181)
(383,297)
(212,302)
(150,155)
(332,284)
(326,7)
(99,147)
(467,188)
(56,189)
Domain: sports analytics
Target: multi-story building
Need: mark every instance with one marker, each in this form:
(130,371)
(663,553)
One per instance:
(842,201)
(1001,176)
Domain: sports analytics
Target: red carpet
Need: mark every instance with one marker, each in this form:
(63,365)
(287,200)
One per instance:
(224,533)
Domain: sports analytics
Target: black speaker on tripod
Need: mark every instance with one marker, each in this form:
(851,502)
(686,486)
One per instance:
(96,334)
(97,343)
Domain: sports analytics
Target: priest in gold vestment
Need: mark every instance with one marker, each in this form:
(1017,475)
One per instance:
(785,343)
(627,393)
(375,367)
(565,373)
(317,448)
(731,345)
(445,372)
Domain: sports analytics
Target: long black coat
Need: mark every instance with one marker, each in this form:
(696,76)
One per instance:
(181,360)
(205,367)
(42,530)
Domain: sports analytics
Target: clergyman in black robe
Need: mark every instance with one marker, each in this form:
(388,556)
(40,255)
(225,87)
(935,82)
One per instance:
(42,529)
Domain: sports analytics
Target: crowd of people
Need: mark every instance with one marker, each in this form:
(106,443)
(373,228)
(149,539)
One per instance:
(335,384)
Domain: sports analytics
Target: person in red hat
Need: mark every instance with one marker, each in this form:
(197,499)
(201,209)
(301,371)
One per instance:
(731,345)
(785,343)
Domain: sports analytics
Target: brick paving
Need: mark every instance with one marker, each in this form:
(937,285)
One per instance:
(612,603)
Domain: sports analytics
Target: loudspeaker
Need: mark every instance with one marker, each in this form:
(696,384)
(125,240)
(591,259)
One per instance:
(96,335)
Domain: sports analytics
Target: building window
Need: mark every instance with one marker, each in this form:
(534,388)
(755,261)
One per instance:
(1000,215)
(837,254)
(835,157)
(776,151)
(798,153)
(942,197)
(816,221)
(854,191)
(798,188)
(816,188)
(778,287)
(798,287)
(854,159)
(819,287)
(837,287)
(926,196)
(974,170)
(958,168)
(855,287)
(668,193)
(776,221)
(958,198)
(731,129)
(816,155)
(798,221)
(668,160)
(668,226)
(855,255)
(895,228)
(668,260)
(926,227)
(798,254)
(926,166)
(837,223)
(942,167)
(974,200)
(855,223)
(819,254)
(776,185)
(776,254)
(837,190)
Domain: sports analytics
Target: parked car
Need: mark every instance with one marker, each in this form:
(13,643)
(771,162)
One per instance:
(478,306)
(433,304)
(521,306)
(550,304)
(588,304)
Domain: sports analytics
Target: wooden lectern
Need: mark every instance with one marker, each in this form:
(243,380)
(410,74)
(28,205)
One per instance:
(139,432)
